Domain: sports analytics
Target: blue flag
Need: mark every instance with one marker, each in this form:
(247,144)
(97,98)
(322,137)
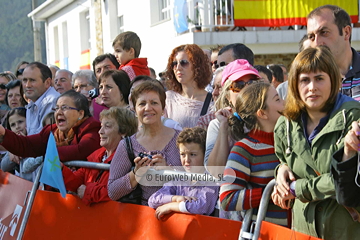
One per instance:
(180,13)
(51,173)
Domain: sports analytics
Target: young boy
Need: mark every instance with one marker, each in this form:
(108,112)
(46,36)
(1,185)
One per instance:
(187,196)
(127,46)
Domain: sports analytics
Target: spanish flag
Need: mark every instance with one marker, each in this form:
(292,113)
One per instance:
(277,13)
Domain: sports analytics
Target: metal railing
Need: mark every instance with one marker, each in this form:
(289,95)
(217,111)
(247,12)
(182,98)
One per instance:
(254,234)
(210,15)
(245,233)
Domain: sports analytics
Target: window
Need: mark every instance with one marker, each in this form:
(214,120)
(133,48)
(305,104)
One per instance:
(85,30)
(164,9)
(121,23)
(160,11)
(56,43)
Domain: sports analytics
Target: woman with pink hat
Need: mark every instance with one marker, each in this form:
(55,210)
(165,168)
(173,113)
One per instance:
(236,76)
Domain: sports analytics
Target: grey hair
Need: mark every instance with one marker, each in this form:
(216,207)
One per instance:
(69,73)
(88,75)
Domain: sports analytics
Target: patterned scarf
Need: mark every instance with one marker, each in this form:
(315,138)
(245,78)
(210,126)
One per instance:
(60,136)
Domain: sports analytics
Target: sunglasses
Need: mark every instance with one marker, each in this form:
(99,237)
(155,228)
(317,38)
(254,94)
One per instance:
(237,86)
(218,65)
(2,86)
(183,63)
(20,72)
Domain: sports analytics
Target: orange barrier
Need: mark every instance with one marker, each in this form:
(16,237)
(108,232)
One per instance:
(54,217)
(13,191)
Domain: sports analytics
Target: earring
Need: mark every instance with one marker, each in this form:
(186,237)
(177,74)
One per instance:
(79,118)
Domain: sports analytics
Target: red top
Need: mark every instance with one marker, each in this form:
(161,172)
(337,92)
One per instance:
(136,67)
(86,140)
(96,189)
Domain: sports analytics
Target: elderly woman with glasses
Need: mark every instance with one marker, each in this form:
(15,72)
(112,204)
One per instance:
(75,131)
(188,72)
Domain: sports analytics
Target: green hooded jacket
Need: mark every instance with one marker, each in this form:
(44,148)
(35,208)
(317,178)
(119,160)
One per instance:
(315,210)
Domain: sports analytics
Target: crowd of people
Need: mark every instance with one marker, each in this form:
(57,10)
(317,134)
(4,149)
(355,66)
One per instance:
(217,115)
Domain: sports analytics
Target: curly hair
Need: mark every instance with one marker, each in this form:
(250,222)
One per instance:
(200,66)
(192,135)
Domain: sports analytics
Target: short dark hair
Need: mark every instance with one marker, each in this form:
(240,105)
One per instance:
(80,101)
(21,111)
(102,57)
(341,17)
(12,84)
(192,135)
(240,51)
(263,69)
(140,78)
(277,72)
(44,70)
(128,40)
(121,80)
(149,86)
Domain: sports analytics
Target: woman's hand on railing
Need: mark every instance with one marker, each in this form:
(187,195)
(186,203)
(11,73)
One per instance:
(283,202)
(283,177)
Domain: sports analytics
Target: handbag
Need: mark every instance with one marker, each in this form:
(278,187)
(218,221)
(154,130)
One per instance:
(135,196)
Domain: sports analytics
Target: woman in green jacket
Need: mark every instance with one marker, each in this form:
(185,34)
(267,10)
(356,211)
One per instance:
(316,119)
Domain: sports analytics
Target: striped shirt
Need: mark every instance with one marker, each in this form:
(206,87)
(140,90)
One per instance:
(251,161)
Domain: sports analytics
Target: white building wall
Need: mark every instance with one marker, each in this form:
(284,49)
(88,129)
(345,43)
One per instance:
(71,15)
(158,39)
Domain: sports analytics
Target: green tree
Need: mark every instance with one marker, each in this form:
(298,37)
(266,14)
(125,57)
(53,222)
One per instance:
(16,41)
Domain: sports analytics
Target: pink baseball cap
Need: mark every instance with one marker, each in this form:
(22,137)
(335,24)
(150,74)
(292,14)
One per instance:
(237,69)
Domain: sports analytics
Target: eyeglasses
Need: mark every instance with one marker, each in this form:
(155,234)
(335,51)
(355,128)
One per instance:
(64,108)
(2,86)
(237,86)
(183,63)
(20,71)
(82,86)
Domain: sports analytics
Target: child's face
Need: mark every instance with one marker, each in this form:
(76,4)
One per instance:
(123,56)
(192,155)
(17,124)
